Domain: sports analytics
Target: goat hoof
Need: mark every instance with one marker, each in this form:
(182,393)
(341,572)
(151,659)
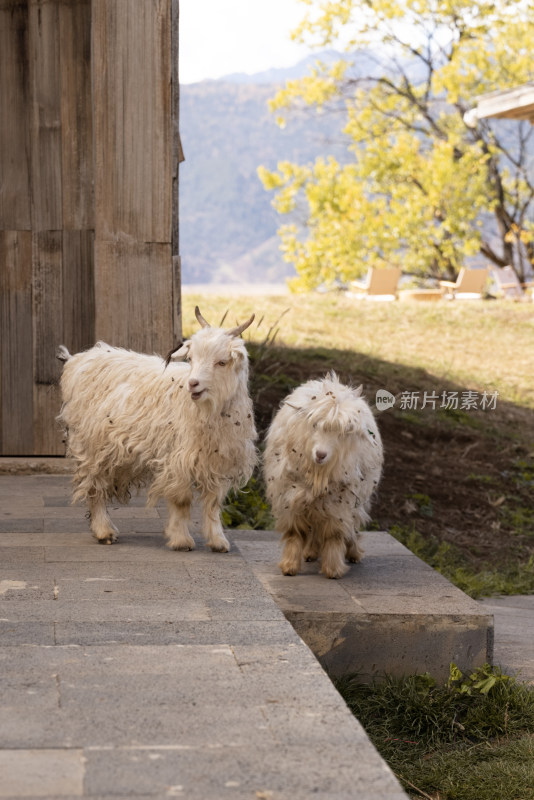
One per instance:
(220,548)
(334,574)
(111,538)
(289,570)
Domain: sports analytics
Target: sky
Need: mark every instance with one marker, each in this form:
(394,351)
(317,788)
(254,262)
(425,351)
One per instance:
(218,37)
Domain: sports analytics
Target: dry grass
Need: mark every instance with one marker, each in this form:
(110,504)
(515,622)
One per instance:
(486,345)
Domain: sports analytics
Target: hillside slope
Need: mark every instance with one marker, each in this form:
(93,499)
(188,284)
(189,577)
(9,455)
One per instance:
(227,225)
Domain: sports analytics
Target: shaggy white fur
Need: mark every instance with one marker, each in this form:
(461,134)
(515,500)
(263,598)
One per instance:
(323,460)
(134,420)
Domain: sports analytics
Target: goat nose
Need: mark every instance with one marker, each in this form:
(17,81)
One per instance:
(320,456)
(193,383)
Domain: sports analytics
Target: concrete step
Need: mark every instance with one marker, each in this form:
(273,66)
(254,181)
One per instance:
(514,634)
(391,613)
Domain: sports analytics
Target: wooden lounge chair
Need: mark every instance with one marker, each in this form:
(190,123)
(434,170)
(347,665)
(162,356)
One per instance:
(381,284)
(469,285)
(508,284)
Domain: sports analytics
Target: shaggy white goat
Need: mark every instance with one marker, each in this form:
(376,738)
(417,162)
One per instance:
(133,420)
(323,460)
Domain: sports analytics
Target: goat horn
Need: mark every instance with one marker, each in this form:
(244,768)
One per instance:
(200,318)
(171,353)
(240,328)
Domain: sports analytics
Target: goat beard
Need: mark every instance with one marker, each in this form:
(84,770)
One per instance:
(318,477)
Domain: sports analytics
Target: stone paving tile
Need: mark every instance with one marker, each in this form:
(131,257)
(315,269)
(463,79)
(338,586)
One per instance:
(514,634)
(326,771)
(42,772)
(75,525)
(133,633)
(24,540)
(27,525)
(20,555)
(26,633)
(130,549)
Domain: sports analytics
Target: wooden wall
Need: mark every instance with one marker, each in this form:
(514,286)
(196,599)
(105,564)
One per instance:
(89,152)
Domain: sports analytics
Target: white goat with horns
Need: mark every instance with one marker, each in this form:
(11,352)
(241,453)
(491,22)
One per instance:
(323,460)
(133,420)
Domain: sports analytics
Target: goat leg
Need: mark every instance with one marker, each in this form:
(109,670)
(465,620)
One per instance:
(176,530)
(292,552)
(103,528)
(211,523)
(333,554)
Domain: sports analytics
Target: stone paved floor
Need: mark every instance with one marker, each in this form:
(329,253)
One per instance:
(133,671)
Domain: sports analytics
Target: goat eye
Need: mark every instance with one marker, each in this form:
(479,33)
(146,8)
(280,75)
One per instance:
(221,363)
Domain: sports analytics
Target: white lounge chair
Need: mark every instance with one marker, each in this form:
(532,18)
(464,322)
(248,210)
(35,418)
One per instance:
(381,284)
(509,285)
(469,285)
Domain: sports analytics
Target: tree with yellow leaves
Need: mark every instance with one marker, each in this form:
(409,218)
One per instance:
(419,188)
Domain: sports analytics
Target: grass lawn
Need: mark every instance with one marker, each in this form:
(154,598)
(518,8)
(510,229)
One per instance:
(483,345)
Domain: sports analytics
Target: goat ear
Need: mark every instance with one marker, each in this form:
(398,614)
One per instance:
(237,350)
(180,353)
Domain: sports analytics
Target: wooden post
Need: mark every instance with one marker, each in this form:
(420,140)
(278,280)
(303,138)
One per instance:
(132,92)
(89,152)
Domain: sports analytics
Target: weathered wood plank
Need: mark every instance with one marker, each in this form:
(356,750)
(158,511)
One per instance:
(15,211)
(47,433)
(132,119)
(47,268)
(45,79)
(177,157)
(76,115)
(177,154)
(177,300)
(78,290)
(16,351)
(133,295)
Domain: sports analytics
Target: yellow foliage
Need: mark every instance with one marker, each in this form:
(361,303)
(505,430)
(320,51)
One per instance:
(418,180)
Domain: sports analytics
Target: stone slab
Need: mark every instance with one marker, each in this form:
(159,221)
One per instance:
(514,634)
(391,614)
(41,773)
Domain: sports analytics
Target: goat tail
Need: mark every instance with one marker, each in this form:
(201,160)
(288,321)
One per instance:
(62,354)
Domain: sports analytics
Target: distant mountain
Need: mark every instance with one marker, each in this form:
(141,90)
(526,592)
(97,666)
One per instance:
(280,75)
(227,224)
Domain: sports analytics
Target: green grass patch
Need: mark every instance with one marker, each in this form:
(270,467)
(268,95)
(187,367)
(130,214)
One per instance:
(247,508)
(468,739)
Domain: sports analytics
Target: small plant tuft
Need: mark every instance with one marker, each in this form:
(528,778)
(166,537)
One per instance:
(247,508)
